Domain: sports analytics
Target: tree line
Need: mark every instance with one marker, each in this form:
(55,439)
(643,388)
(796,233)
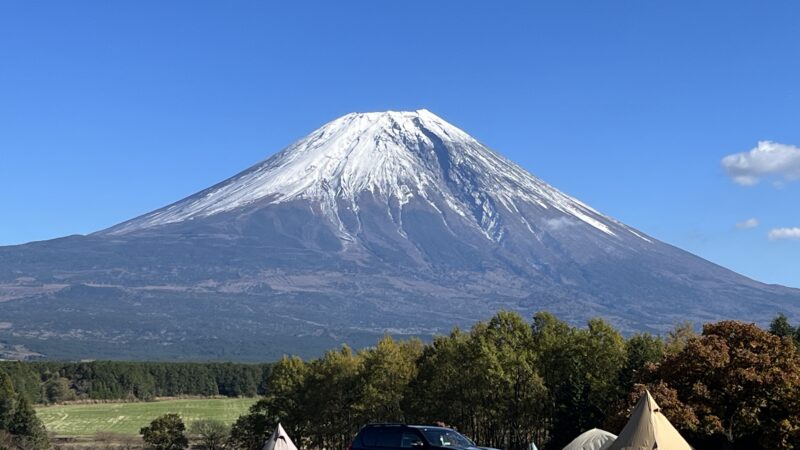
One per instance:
(507,382)
(55,382)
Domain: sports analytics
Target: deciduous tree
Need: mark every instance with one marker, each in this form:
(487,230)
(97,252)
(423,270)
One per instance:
(166,432)
(251,430)
(581,370)
(283,402)
(331,399)
(740,382)
(212,434)
(387,370)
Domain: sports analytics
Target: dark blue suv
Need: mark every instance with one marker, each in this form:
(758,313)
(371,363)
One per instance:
(399,436)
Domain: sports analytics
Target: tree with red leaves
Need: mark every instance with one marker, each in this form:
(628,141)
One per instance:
(735,386)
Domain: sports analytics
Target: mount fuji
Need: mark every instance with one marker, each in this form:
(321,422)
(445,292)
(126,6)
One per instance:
(388,222)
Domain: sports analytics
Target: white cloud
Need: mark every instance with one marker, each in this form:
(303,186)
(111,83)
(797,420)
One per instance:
(766,159)
(747,224)
(784,233)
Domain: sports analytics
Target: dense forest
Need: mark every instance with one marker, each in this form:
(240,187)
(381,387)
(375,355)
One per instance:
(506,383)
(55,382)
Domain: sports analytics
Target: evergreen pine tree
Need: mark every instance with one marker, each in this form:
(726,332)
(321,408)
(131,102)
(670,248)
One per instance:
(780,326)
(27,429)
(7,401)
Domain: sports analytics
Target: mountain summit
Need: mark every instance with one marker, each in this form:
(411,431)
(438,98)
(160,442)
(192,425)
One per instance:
(393,222)
(394,156)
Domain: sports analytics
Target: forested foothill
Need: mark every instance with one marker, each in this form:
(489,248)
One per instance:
(505,383)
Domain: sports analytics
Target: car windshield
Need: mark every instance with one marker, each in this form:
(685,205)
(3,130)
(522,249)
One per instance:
(446,438)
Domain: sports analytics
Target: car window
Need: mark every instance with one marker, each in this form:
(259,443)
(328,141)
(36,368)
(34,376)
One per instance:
(389,438)
(410,439)
(381,437)
(369,437)
(446,438)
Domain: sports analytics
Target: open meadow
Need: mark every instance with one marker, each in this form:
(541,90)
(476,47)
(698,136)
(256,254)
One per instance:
(128,418)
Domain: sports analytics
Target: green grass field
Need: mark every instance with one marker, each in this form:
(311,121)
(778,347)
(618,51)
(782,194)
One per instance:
(128,418)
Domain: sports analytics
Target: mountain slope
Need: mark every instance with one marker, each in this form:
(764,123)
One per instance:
(376,222)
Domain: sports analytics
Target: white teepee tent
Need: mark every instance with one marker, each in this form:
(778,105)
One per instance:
(648,429)
(594,439)
(279,440)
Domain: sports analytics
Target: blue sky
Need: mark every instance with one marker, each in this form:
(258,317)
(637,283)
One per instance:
(111,109)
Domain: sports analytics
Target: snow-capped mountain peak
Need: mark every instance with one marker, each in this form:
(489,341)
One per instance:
(394,156)
(389,222)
